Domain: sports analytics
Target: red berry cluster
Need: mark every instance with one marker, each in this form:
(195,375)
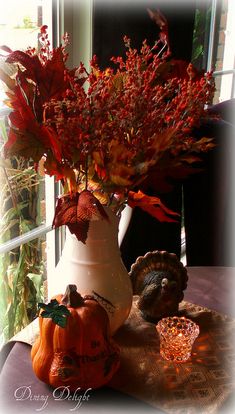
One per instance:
(106,129)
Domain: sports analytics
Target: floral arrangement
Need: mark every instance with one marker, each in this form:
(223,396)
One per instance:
(102,132)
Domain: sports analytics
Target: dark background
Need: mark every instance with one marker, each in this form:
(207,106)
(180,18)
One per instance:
(206,199)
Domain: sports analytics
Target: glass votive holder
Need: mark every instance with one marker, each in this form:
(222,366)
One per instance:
(177,335)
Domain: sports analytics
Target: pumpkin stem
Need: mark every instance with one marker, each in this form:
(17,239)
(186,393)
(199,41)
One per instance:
(72,298)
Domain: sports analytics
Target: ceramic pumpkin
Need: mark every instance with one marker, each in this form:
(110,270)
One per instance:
(74,347)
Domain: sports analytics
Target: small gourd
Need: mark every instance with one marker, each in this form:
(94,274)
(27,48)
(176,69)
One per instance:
(74,347)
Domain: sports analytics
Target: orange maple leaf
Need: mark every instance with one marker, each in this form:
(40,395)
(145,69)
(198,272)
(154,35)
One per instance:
(151,205)
(76,210)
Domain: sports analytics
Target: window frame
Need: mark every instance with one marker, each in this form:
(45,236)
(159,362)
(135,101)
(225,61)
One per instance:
(211,44)
(64,16)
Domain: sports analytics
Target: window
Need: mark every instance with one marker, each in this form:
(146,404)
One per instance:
(24,209)
(213,46)
(221,54)
(29,249)
(213,49)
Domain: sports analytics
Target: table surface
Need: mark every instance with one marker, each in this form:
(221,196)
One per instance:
(211,287)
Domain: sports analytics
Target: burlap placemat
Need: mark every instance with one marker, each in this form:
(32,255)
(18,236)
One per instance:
(201,385)
(29,334)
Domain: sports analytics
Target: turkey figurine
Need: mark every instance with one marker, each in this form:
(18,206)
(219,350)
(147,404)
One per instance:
(159,278)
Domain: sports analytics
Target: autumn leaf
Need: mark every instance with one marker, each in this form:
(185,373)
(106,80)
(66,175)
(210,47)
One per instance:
(120,175)
(30,142)
(119,171)
(204,144)
(118,81)
(162,141)
(190,159)
(27,136)
(49,77)
(102,197)
(25,145)
(76,210)
(10,83)
(31,63)
(5,48)
(98,158)
(151,205)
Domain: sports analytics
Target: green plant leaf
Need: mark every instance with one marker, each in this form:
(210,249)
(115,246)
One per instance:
(37,279)
(58,313)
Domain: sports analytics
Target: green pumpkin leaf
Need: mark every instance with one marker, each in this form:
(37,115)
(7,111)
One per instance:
(58,313)
(52,304)
(60,320)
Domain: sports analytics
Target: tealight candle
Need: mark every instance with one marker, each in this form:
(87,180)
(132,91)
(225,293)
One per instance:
(177,335)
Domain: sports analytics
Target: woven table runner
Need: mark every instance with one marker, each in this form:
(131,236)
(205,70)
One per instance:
(200,385)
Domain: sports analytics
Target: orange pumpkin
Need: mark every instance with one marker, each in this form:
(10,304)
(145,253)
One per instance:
(80,354)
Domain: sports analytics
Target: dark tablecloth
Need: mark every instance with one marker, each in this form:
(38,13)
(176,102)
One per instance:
(212,287)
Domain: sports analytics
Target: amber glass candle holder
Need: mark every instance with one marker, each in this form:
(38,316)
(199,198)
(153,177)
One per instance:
(177,335)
